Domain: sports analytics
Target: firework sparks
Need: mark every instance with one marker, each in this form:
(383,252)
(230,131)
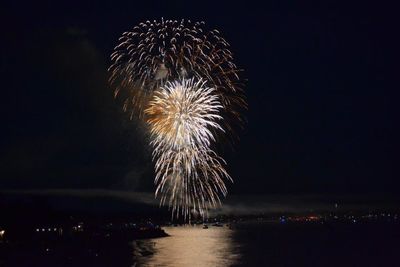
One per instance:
(159,51)
(181,117)
(182,113)
(181,80)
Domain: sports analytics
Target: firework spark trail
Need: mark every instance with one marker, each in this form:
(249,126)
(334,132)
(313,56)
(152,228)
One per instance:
(181,80)
(191,180)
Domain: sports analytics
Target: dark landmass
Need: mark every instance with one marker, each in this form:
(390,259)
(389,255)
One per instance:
(74,245)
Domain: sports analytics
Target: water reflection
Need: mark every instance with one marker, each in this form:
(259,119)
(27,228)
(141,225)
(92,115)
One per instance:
(188,246)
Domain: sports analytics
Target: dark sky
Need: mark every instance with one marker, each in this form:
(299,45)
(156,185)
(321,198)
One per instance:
(322,93)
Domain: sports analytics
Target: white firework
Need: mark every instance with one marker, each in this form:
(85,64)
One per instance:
(180,78)
(182,117)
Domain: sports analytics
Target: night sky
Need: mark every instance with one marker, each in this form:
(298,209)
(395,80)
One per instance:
(321,88)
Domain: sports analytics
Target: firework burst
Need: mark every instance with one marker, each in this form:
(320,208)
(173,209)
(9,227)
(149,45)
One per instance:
(182,114)
(159,51)
(181,80)
(181,118)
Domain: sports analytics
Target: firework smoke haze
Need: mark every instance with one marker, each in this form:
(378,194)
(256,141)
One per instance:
(180,79)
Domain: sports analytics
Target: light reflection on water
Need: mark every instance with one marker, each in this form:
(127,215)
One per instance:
(188,246)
